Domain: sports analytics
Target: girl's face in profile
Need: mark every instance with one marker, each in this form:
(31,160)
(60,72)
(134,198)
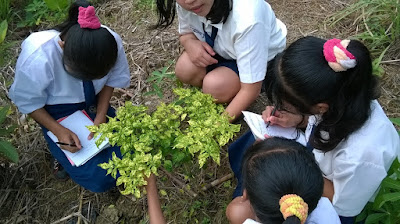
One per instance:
(199,7)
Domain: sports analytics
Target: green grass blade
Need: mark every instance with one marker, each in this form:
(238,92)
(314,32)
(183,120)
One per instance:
(8,151)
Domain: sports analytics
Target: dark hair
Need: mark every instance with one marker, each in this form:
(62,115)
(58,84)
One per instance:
(302,77)
(89,53)
(166,12)
(276,167)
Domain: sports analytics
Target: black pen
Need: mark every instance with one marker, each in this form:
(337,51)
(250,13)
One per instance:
(272,113)
(62,143)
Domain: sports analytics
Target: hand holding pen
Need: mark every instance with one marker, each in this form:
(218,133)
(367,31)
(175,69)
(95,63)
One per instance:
(283,118)
(68,140)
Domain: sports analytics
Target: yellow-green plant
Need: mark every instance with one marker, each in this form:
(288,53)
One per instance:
(191,127)
(7,150)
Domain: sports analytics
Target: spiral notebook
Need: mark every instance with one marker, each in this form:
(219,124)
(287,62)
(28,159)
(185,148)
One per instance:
(77,123)
(259,129)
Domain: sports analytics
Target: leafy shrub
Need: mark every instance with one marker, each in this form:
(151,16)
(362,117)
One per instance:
(7,150)
(191,126)
(38,11)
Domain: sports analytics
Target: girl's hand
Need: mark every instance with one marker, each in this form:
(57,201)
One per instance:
(281,117)
(98,120)
(67,136)
(200,53)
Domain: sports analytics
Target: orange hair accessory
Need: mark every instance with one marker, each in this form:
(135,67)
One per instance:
(293,205)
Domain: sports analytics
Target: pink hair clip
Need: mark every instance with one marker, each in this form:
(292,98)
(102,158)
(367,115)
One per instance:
(87,18)
(337,56)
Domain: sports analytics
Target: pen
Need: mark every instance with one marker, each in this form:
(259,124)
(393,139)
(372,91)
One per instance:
(62,143)
(272,113)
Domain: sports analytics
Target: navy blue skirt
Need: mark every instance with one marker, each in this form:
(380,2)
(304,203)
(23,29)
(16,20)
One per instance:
(88,175)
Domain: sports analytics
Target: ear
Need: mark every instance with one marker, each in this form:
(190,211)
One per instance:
(320,108)
(61,43)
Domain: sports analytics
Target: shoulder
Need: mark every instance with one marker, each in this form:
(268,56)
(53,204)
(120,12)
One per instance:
(37,49)
(117,37)
(323,213)
(252,12)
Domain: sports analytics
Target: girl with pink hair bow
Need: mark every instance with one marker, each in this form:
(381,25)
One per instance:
(75,66)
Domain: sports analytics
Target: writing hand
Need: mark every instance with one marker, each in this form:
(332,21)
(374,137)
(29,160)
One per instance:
(281,118)
(66,136)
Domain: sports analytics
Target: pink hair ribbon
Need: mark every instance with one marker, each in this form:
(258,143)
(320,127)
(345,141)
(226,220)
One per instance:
(87,18)
(337,56)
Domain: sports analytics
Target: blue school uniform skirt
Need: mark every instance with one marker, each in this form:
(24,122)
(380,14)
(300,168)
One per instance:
(88,175)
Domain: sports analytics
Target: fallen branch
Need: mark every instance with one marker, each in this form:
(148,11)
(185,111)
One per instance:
(180,183)
(217,182)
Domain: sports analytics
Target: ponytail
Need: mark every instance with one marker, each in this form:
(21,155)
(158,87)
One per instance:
(292,220)
(72,19)
(166,13)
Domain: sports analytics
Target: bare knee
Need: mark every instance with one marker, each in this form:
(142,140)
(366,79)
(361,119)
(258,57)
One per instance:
(222,83)
(187,72)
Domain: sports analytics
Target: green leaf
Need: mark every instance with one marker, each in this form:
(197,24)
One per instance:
(390,183)
(168,165)
(9,151)
(3,30)
(5,132)
(388,197)
(374,218)
(56,4)
(395,121)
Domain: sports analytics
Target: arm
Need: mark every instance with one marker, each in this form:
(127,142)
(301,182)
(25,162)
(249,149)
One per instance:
(329,191)
(246,96)
(63,134)
(154,207)
(102,106)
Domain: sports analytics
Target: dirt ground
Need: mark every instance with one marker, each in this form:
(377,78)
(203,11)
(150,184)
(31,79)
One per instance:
(30,194)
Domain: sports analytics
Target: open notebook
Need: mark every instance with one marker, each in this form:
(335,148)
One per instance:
(259,129)
(77,123)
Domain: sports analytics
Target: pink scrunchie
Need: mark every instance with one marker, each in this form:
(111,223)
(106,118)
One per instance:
(337,56)
(87,18)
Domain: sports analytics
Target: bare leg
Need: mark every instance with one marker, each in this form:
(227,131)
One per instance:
(222,83)
(189,73)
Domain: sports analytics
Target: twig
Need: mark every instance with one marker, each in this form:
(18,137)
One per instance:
(178,182)
(390,61)
(75,214)
(217,182)
(80,206)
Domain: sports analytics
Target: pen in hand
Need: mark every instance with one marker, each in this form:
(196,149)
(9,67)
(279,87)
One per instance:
(62,143)
(272,114)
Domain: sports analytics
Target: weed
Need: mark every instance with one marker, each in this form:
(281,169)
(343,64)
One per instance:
(380,22)
(4,9)
(157,77)
(7,150)
(39,11)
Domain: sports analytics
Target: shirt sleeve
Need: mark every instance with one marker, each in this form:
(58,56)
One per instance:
(251,47)
(29,90)
(183,23)
(119,75)
(354,184)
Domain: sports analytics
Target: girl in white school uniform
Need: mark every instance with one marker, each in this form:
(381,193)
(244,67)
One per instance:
(282,184)
(228,44)
(327,87)
(73,67)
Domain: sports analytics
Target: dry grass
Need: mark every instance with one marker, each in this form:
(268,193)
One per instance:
(30,194)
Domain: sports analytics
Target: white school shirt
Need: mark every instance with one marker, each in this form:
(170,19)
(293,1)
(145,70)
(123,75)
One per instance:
(40,78)
(251,35)
(358,164)
(324,213)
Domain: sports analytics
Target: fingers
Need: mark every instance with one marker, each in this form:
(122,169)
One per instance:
(208,48)
(90,136)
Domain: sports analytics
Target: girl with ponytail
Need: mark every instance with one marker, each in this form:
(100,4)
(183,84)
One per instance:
(75,66)
(327,88)
(282,184)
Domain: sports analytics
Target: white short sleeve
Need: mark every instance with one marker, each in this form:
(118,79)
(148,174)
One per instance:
(29,90)
(252,53)
(119,75)
(323,213)
(183,24)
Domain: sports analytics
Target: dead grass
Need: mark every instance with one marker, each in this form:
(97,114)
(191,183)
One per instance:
(30,194)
